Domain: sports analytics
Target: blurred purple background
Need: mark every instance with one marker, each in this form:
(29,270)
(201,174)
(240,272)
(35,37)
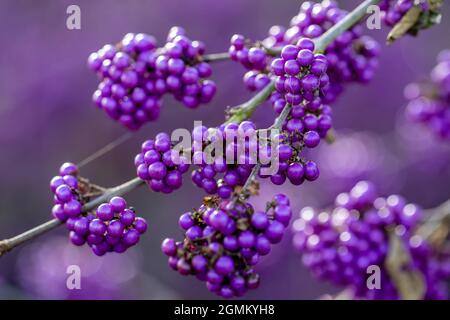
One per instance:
(46,118)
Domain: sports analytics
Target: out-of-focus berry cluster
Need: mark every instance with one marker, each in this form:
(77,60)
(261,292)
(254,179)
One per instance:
(224,240)
(339,245)
(429,102)
(292,165)
(302,81)
(254,58)
(241,148)
(160,166)
(135,74)
(113,227)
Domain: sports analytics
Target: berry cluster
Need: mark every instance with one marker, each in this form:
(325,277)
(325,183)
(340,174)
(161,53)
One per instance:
(224,240)
(68,199)
(394,11)
(237,150)
(352,57)
(339,246)
(130,90)
(113,228)
(233,159)
(135,74)
(275,37)
(429,103)
(254,58)
(184,73)
(292,166)
(301,74)
(160,166)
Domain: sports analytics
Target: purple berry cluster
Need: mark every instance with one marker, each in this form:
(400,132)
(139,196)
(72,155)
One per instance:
(429,102)
(67,191)
(159,165)
(308,122)
(130,90)
(224,240)
(301,74)
(340,245)
(233,162)
(254,58)
(275,37)
(394,11)
(292,166)
(135,74)
(239,155)
(352,57)
(184,72)
(113,228)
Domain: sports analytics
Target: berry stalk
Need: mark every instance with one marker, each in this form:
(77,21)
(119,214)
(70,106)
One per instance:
(243,112)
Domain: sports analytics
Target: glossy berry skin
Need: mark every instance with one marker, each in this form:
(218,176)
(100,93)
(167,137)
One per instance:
(339,245)
(159,166)
(225,255)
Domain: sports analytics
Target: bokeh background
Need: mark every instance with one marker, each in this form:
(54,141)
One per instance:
(46,118)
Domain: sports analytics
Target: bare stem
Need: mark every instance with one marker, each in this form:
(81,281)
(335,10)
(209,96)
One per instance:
(243,112)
